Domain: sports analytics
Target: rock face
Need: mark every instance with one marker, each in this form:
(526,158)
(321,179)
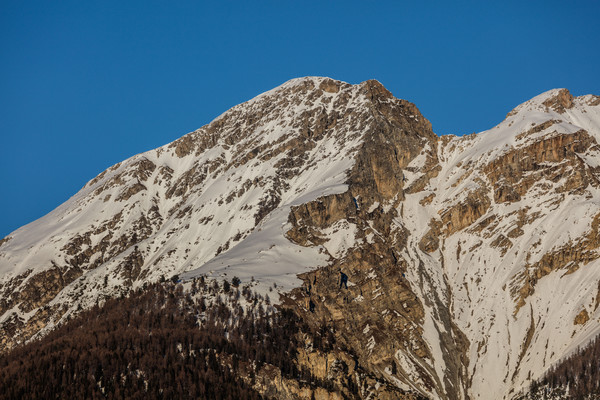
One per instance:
(472,262)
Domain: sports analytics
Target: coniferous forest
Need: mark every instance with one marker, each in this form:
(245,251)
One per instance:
(210,342)
(576,377)
(157,343)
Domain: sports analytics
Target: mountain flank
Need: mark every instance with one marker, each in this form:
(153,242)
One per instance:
(445,267)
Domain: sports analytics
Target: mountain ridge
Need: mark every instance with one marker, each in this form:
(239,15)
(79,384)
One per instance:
(453,235)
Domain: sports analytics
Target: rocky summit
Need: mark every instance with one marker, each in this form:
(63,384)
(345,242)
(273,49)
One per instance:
(442,267)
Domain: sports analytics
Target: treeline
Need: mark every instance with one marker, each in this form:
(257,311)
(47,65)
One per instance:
(577,377)
(157,343)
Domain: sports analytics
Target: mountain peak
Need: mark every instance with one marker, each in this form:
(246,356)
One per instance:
(310,83)
(328,85)
(557,100)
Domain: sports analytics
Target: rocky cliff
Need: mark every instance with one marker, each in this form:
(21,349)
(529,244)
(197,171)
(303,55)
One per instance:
(471,262)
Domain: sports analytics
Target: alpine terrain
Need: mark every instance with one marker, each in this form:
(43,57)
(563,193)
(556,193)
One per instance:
(441,267)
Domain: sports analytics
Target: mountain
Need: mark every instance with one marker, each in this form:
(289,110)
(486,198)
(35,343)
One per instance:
(472,261)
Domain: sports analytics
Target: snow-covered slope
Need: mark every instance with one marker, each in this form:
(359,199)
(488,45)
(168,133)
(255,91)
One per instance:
(176,208)
(524,266)
(473,261)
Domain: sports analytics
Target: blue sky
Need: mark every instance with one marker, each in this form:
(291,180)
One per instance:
(86,84)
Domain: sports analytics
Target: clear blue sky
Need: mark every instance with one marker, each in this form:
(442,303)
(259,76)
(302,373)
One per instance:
(86,84)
